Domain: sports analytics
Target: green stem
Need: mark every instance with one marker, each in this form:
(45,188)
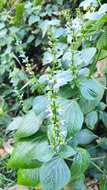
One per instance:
(98,168)
(98,158)
(99,2)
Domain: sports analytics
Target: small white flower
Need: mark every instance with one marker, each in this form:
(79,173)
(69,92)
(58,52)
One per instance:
(88,3)
(76,24)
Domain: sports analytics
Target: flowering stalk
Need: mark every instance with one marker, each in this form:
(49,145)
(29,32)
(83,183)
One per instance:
(57,138)
(72,34)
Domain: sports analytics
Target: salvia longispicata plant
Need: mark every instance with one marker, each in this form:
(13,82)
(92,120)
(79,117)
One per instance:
(53,138)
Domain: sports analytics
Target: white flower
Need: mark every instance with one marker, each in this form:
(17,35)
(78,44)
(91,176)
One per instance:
(88,3)
(76,24)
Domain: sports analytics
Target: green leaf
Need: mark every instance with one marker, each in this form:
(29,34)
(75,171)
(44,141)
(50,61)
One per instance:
(47,58)
(79,184)
(38,2)
(45,25)
(55,174)
(103,118)
(102,43)
(33,19)
(91,90)
(2,4)
(66,151)
(18,19)
(87,105)
(22,155)
(85,137)
(80,163)
(2,25)
(62,78)
(67,92)
(43,151)
(30,39)
(88,3)
(40,105)
(84,57)
(15,124)
(103,183)
(81,58)
(28,177)
(29,126)
(103,8)
(101,106)
(30,153)
(93,16)
(91,119)
(27,104)
(72,116)
(103,143)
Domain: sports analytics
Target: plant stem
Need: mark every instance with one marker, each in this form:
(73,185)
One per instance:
(96,166)
(98,158)
(70,159)
(99,2)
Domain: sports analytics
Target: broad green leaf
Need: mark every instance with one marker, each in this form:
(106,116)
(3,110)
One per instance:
(103,118)
(91,119)
(84,57)
(103,143)
(93,16)
(102,43)
(103,8)
(15,124)
(66,151)
(81,58)
(83,73)
(91,90)
(80,163)
(72,116)
(38,2)
(59,49)
(67,59)
(18,19)
(54,174)
(30,39)
(87,105)
(30,153)
(101,106)
(103,54)
(103,183)
(22,155)
(84,137)
(44,79)
(58,32)
(2,25)
(67,92)
(27,104)
(40,105)
(79,184)
(2,4)
(62,78)
(88,3)
(103,19)
(33,19)
(47,58)
(29,126)
(43,151)
(46,24)
(28,177)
